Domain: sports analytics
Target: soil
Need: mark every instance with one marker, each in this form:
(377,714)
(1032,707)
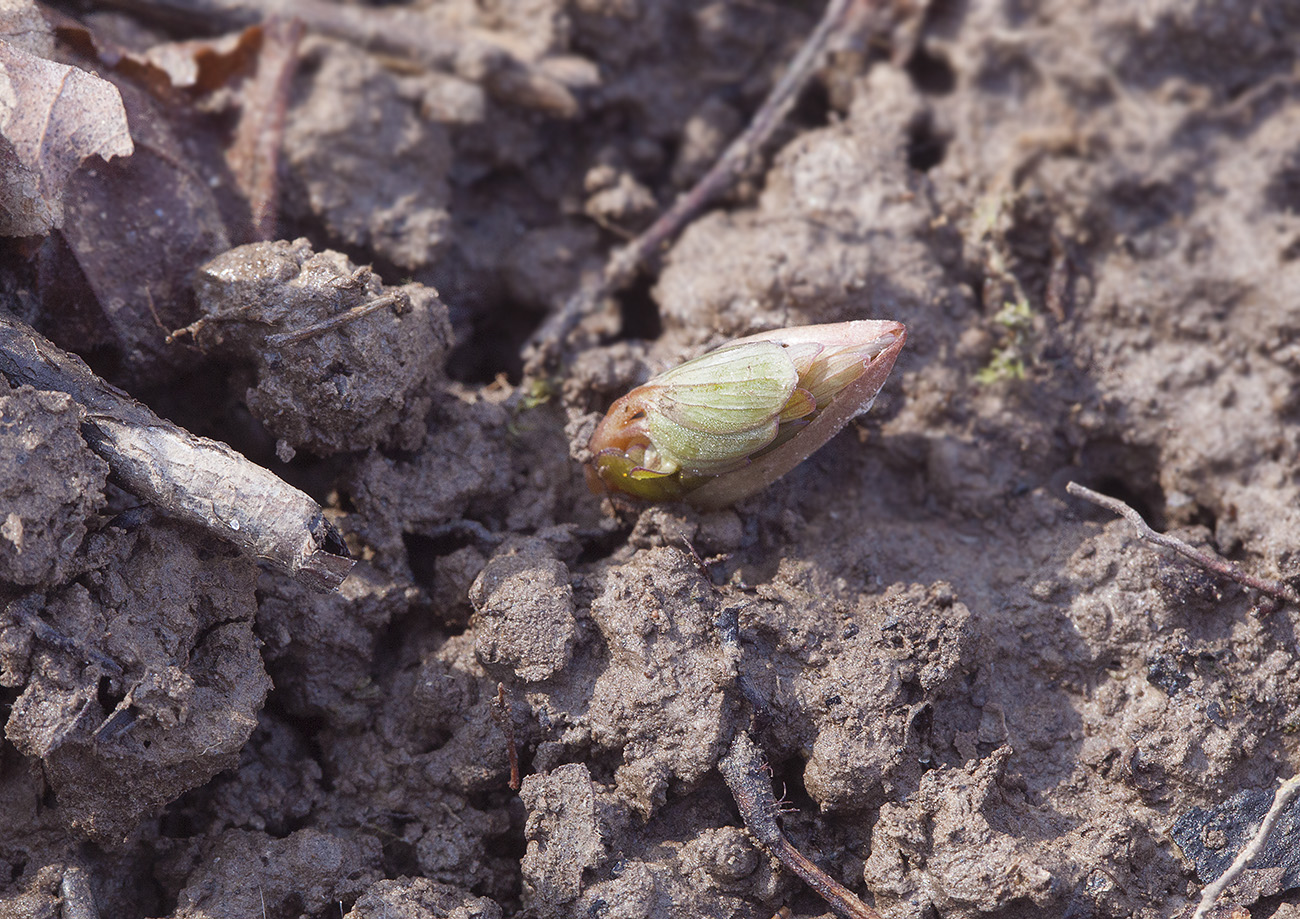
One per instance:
(977,695)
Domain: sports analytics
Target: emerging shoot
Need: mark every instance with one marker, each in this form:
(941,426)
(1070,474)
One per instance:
(721,427)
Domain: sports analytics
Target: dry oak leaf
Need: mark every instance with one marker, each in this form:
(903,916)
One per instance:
(52,117)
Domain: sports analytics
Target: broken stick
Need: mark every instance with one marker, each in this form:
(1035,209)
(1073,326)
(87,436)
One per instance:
(743,770)
(402,31)
(1207,560)
(1282,799)
(545,344)
(191,478)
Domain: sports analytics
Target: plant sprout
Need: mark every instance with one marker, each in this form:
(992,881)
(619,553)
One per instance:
(721,427)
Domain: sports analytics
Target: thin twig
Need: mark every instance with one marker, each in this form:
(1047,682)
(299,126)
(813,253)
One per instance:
(280,339)
(1286,792)
(503,716)
(26,610)
(1207,560)
(405,32)
(701,565)
(254,155)
(545,343)
(742,769)
(625,263)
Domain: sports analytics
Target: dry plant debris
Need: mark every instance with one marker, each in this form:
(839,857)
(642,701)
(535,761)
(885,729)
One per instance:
(53,117)
(623,266)
(194,479)
(254,156)
(1250,841)
(1206,560)
(339,361)
(420,35)
(743,770)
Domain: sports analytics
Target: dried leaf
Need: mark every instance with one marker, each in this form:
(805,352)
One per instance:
(137,229)
(23,26)
(206,64)
(52,118)
(201,65)
(258,63)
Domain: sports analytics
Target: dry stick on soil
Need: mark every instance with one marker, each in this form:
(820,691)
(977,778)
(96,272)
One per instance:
(254,156)
(1281,798)
(78,900)
(280,339)
(544,345)
(742,769)
(194,479)
(1206,560)
(474,55)
(502,714)
(26,611)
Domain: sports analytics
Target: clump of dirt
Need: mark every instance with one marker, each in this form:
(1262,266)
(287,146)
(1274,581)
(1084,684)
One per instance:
(364,161)
(976,695)
(308,866)
(320,388)
(54,485)
(126,709)
(523,624)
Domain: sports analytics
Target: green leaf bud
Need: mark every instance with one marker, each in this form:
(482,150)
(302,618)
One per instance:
(720,427)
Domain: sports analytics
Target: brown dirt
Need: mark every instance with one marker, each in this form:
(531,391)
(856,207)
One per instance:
(980,696)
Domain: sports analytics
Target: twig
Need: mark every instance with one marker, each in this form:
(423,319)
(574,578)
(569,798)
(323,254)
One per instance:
(409,33)
(280,339)
(1058,276)
(701,565)
(26,610)
(201,481)
(77,899)
(1282,797)
(254,155)
(502,715)
(742,769)
(544,345)
(1207,560)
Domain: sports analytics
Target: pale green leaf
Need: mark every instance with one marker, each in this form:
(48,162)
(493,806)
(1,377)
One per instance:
(802,354)
(706,452)
(801,403)
(726,391)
